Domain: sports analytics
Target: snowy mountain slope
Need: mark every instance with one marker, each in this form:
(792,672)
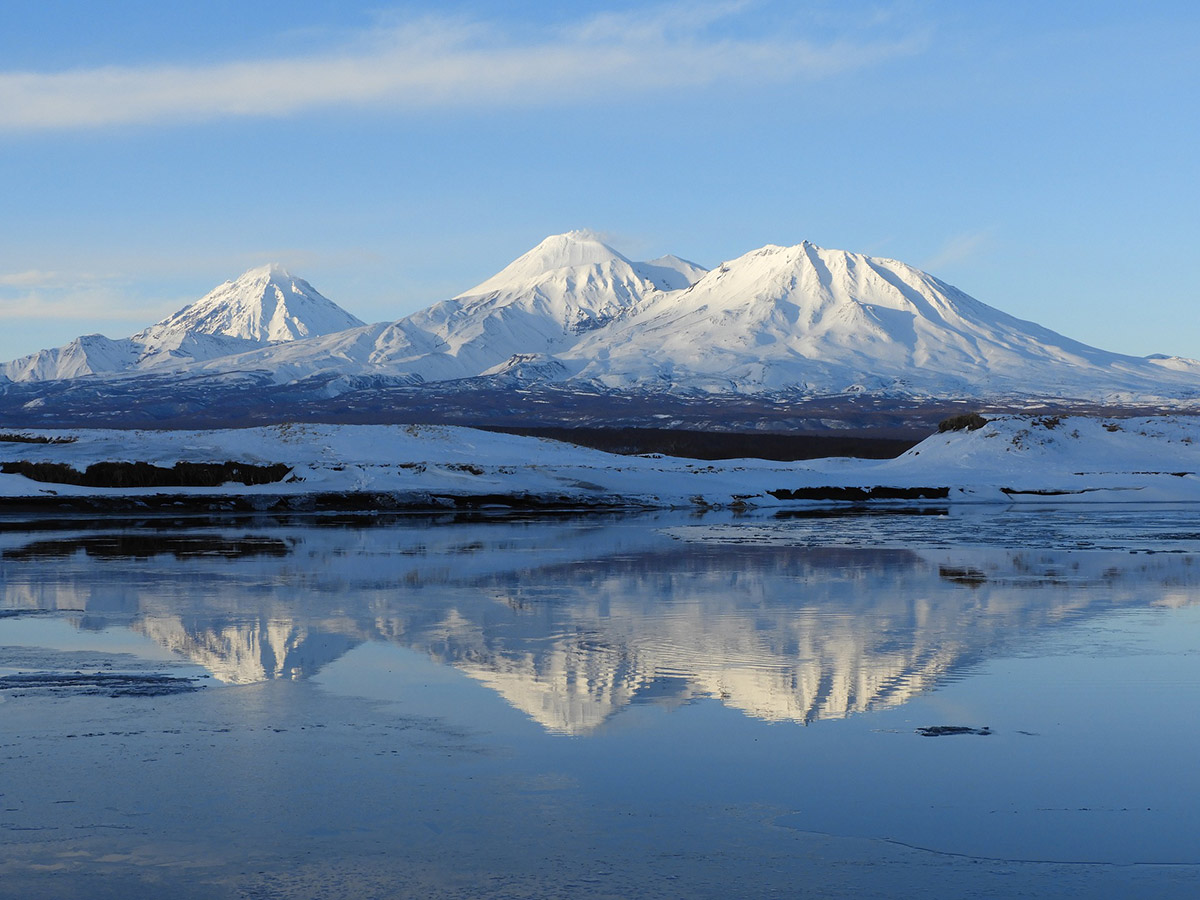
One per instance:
(567,285)
(537,306)
(383,348)
(670,273)
(1175,363)
(829,321)
(86,355)
(264,306)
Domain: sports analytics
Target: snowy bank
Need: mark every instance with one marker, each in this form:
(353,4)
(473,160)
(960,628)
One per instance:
(1011,459)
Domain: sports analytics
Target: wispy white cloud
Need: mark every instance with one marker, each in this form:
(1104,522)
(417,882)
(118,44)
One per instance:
(656,23)
(82,305)
(38,295)
(30,278)
(956,249)
(437,62)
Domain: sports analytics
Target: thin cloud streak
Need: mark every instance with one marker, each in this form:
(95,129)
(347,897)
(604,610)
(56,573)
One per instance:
(30,278)
(957,249)
(86,304)
(44,296)
(440,63)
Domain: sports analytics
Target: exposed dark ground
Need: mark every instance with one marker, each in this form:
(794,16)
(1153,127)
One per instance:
(720,444)
(782,426)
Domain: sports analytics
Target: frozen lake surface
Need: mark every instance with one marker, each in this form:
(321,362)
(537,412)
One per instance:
(663,705)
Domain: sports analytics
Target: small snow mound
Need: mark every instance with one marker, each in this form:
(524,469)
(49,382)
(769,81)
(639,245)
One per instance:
(670,272)
(529,367)
(1175,363)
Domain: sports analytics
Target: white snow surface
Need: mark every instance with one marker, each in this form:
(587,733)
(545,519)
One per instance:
(264,306)
(792,320)
(1010,460)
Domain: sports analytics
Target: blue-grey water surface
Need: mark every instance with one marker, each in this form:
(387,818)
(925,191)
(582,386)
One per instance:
(602,706)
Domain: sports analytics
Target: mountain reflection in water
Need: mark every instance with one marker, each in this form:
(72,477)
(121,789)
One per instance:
(571,620)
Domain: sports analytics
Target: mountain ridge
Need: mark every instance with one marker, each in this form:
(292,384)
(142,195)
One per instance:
(534,308)
(795,321)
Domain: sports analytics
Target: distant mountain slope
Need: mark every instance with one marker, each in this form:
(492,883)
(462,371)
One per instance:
(264,306)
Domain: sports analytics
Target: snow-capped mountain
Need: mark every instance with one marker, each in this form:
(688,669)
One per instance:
(566,286)
(800,321)
(515,322)
(829,321)
(264,306)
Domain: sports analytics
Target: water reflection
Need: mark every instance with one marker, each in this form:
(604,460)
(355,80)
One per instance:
(144,546)
(572,621)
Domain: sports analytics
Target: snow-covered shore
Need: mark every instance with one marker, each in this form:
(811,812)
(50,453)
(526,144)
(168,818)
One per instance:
(1010,459)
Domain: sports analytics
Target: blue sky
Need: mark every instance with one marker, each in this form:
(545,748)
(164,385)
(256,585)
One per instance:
(1042,157)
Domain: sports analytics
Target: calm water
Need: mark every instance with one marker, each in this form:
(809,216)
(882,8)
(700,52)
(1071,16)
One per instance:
(657,706)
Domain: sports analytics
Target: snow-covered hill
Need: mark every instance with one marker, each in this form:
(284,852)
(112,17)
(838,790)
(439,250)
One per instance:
(1008,460)
(264,306)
